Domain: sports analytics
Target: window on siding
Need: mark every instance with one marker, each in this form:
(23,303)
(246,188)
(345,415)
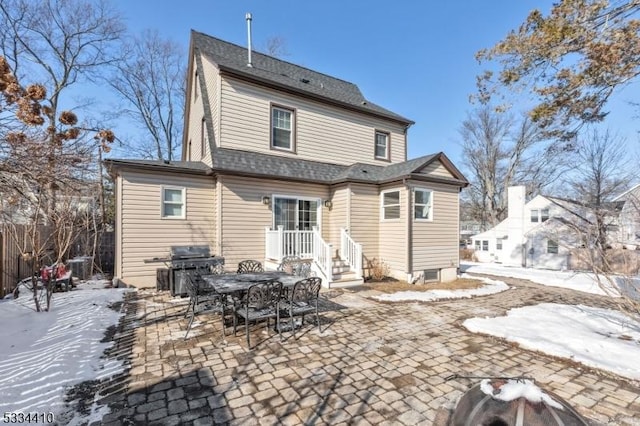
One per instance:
(196,84)
(485,245)
(391,205)
(534,215)
(544,215)
(477,245)
(382,145)
(204,139)
(282,128)
(423,204)
(499,244)
(173,203)
(552,247)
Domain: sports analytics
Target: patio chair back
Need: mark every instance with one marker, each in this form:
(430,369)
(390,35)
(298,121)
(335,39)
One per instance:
(262,302)
(303,299)
(248,266)
(306,290)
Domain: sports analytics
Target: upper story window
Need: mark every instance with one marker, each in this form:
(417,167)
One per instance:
(382,145)
(196,84)
(204,139)
(552,247)
(544,215)
(485,245)
(423,204)
(477,244)
(282,128)
(391,205)
(541,215)
(499,244)
(173,203)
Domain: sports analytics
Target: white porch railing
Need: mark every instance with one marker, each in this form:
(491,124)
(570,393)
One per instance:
(304,244)
(322,254)
(351,252)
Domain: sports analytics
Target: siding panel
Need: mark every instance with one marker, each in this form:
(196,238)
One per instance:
(244,217)
(435,243)
(323,132)
(365,220)
(145,235)
(393,236)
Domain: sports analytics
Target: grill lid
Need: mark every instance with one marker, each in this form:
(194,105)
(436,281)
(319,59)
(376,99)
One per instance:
(189,252)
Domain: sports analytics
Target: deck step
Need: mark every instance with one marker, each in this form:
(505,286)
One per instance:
(347,282)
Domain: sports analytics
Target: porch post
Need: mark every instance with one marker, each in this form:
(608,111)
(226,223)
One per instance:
(280,242)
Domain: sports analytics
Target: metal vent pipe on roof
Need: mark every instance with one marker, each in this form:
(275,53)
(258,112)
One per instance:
(248,18)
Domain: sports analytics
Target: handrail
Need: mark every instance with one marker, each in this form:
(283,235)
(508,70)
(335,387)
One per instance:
(351,252)
(322,255)
(304,244)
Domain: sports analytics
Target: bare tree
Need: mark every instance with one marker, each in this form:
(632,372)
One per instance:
(276,47)
(498,152)
(151,81)
(42,145)
(601,172)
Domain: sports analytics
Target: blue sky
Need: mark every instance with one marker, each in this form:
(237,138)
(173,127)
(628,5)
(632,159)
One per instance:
(415,58)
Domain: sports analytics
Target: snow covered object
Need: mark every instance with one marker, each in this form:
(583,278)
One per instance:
(513,402)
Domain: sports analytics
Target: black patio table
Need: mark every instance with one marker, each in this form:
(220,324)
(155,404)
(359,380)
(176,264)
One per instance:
(236,285)
(240,283)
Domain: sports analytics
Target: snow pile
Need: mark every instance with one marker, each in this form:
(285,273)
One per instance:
(513,389)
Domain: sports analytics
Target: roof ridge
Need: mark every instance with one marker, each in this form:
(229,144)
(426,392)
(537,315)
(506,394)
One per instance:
(282,60)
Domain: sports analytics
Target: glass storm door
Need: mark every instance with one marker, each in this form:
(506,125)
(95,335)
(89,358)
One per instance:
(295,214)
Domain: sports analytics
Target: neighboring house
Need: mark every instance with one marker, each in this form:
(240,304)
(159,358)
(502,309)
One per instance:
(629,219)
(468,228)
(282,160)
(543,232)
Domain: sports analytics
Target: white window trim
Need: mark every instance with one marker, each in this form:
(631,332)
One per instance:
(557,246)
(183,202)
(387,150)
(382,206)
(430,219)
(292,139)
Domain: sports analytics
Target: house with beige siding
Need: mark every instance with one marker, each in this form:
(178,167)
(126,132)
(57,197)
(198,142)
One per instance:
(280,160)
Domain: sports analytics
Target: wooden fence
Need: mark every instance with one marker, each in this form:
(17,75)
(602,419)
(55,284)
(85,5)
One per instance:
(13,267)
(619,261)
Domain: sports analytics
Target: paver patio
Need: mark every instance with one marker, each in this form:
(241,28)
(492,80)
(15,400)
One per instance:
(374,363)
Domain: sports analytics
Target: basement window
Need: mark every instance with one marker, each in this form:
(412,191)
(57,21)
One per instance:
(431,275)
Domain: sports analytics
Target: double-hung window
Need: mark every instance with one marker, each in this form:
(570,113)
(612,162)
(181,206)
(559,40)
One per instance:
(173,203)
(382,145)
(423,204)
(534,215)
(552,247)
(544,215)
(282,128)
(391,205)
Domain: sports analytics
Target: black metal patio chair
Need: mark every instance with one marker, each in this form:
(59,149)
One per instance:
(249,266)
(302,299)
(261,302)
(203,299)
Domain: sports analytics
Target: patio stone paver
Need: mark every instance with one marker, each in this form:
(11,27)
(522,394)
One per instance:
(374,363)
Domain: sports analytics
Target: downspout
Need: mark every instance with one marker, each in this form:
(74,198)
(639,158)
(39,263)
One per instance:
(409,231)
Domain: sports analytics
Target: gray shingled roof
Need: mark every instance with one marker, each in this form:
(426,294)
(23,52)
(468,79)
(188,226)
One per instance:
(254,163)
(231,57)
(178,166)
(247,163)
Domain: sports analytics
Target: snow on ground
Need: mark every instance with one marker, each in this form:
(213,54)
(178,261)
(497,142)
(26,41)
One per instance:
(491,287)
(599,338)
(581,281)
(43,353)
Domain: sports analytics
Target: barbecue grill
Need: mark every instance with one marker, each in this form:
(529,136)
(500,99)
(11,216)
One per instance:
(186,260)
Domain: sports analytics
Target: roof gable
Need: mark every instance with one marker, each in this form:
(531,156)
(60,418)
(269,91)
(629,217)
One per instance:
(231,58)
